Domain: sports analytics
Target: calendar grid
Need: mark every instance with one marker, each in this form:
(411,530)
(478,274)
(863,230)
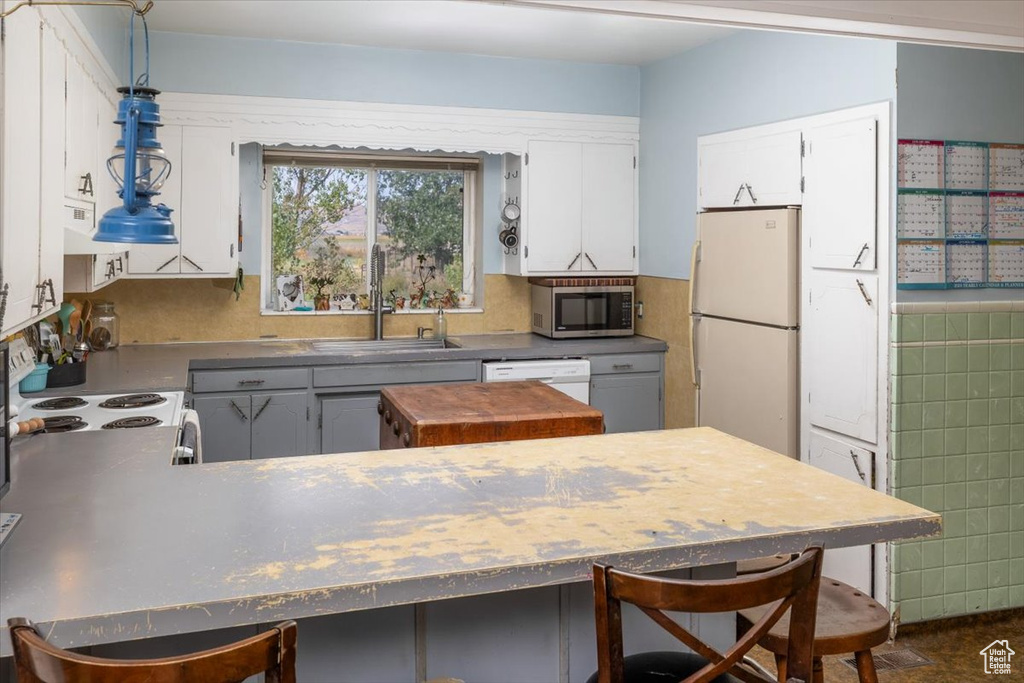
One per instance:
(959,214)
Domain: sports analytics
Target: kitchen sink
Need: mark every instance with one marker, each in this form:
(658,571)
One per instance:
(383,345)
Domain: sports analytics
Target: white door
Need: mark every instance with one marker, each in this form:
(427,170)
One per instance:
(109,132)
(609,208)
(554,207)
(748,382)
(51,206)
(748,266)
(164,259)
(840,195)
(19,252)
(849,565)
(81,133)
(841,345)
(750,171)
(208,212)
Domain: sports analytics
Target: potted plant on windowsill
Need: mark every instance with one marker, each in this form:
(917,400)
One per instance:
(322,300)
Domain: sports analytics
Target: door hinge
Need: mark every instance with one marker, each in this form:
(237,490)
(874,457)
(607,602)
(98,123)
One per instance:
(526,251)
(320,421)
(3,29)
(803,148)
(307,413)
(634,161)
(231,250)
(232,149)
(801,183)
(526,159)
(634,251)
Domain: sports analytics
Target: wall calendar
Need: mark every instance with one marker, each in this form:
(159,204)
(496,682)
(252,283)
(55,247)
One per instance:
(959,214)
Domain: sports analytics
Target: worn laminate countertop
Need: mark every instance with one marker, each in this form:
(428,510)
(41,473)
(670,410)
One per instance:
(116,544)
(164,367)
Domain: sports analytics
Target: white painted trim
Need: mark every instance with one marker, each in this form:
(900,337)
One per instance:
(800,19)
(274,120)
(72,33)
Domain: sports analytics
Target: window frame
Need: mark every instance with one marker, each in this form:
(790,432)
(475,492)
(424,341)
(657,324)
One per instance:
(472,219)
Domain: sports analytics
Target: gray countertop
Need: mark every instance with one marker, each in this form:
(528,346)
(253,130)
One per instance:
(164,367)
(116,544)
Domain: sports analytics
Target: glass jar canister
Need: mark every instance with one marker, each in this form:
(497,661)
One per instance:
(106,327)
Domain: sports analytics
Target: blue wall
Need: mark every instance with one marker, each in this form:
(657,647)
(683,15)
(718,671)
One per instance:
(948,93)
(245,66)
(746,79)
(109,28)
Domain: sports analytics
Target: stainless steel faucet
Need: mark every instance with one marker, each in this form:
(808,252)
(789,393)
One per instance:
(377,291)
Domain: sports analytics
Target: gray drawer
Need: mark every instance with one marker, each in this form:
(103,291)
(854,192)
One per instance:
(208,381)
(625,362)
(397,373)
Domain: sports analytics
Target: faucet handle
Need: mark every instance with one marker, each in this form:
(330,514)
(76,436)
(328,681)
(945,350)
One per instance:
(421,330)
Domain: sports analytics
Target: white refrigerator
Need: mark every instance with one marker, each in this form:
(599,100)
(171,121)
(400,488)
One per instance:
(744,305)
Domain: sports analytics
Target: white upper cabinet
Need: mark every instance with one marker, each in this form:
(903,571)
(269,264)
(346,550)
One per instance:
(580,209)
(19,204)
(203,192)
(736,171)
(839,198)
(82,125)
(841,347)
(51,206)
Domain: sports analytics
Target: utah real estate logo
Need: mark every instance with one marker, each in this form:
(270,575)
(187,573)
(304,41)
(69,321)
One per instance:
(997,657)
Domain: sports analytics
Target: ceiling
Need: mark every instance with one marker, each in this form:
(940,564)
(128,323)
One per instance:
(442,25)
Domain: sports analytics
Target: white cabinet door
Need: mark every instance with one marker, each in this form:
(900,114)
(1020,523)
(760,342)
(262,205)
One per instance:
(208,213)
(83,101)
(841,346)
(51,200)
(19,251)
(554,203)
(849,565)
(750,171)
(163,259)
(609,208)
(839,195)
(108,134)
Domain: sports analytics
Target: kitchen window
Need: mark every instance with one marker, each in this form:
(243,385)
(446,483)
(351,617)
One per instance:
(326,210)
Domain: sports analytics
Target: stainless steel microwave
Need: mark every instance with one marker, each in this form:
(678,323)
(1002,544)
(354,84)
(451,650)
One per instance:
(595,311)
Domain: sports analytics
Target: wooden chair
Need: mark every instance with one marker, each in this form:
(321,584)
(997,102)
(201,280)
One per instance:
(273,652)
(847,621)
(791,587)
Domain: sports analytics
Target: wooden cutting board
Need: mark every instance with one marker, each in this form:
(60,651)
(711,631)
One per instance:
(448,414)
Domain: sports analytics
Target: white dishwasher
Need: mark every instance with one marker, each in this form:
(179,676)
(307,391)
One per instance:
(571,377)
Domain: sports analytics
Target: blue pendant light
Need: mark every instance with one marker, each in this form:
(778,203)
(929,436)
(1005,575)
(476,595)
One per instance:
(138,164)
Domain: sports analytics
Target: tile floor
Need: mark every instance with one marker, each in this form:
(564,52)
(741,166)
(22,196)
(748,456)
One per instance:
(953,644)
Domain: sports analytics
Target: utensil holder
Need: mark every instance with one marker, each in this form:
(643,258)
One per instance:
(66,375)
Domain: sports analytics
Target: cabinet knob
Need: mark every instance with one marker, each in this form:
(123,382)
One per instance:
(396,427)
(387,417)
(380,407)
(406,439)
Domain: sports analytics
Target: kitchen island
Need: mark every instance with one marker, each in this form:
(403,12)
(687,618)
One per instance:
(117,545)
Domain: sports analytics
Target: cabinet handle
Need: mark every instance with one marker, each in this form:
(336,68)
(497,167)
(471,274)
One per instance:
(241,413)
(860,255)
(166,263)
(856,463)
(864,292)
(387,417)
(248,382)
(739,193)
(262,408)
(3,302)
(573,262)
(406,439)
(396,427)
(120,264)
(592,264)
(86,187)
(111,272)
(192,263)
(622,366)
(380,407)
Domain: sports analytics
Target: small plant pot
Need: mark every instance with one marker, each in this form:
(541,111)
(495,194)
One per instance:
(322,303)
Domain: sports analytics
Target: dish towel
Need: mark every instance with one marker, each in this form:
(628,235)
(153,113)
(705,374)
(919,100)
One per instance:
(239,283)
(191,437)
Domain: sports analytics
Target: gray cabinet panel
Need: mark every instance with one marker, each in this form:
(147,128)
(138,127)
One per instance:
(209,381)
(630,402)
(224,421)
(350,424)
(358,647)
(615,364)
(279,424)
(397,373)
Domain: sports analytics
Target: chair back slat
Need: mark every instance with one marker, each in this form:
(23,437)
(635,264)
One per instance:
(272,652)
(791,587)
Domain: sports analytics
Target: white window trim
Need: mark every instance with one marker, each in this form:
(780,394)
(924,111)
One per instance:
(472,261)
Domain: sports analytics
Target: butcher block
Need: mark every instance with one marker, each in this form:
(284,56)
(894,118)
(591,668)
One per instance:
(449,414)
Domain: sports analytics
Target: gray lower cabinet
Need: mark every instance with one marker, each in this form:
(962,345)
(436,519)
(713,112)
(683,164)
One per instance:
(244,426)
(349,424)
(627,388)
(224,421)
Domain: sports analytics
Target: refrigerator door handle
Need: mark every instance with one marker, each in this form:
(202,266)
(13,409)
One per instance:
(694,319)
(694,260)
